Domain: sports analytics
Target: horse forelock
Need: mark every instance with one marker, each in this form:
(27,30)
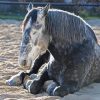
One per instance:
(31,14)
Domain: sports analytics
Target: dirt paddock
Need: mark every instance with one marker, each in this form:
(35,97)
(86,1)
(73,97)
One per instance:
(10,36)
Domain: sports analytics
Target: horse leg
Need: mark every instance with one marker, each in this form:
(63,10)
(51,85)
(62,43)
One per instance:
(35,85)
(53,89)
(49,86)
(39,62)
(61,85)
(65,89)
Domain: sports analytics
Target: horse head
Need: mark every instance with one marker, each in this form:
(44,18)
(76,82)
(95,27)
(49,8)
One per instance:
(34,42)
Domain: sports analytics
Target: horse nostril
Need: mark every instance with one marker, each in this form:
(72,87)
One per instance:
(24,62)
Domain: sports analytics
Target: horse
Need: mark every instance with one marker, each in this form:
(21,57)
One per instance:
(64,44)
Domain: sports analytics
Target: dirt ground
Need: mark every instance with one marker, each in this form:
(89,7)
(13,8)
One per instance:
(10,36)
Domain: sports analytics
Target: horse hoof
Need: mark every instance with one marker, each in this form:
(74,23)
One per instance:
(58,91)
(15,80)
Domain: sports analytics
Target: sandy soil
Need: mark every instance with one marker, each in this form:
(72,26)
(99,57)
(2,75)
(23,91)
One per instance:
(10,36)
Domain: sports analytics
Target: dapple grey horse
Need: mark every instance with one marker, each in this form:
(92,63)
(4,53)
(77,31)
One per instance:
(65,44)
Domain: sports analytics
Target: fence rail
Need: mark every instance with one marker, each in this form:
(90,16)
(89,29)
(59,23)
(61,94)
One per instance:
(52,4)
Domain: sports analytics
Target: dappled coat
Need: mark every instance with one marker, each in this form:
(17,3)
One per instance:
(72,44)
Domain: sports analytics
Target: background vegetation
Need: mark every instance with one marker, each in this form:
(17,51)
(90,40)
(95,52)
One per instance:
(12,11)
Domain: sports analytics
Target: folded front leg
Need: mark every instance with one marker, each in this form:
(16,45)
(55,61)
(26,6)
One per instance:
(44,58)
(35,85)
(16,80)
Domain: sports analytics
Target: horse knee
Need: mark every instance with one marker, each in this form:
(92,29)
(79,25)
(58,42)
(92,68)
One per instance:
(49,86)
(27,81)
(34,87)
(32,83)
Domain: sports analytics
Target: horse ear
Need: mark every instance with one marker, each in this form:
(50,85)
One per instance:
(46,8)
(30,6)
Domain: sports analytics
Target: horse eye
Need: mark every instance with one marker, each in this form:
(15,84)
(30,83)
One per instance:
(38,26)
(34,32)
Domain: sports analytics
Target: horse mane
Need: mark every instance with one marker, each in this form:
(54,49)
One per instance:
(66,26)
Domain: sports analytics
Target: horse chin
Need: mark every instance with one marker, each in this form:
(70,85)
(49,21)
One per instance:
(25,66)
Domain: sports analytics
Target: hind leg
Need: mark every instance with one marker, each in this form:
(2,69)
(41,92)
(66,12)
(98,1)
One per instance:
(54,89)
(63,85)
(64,90)
(49,86)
